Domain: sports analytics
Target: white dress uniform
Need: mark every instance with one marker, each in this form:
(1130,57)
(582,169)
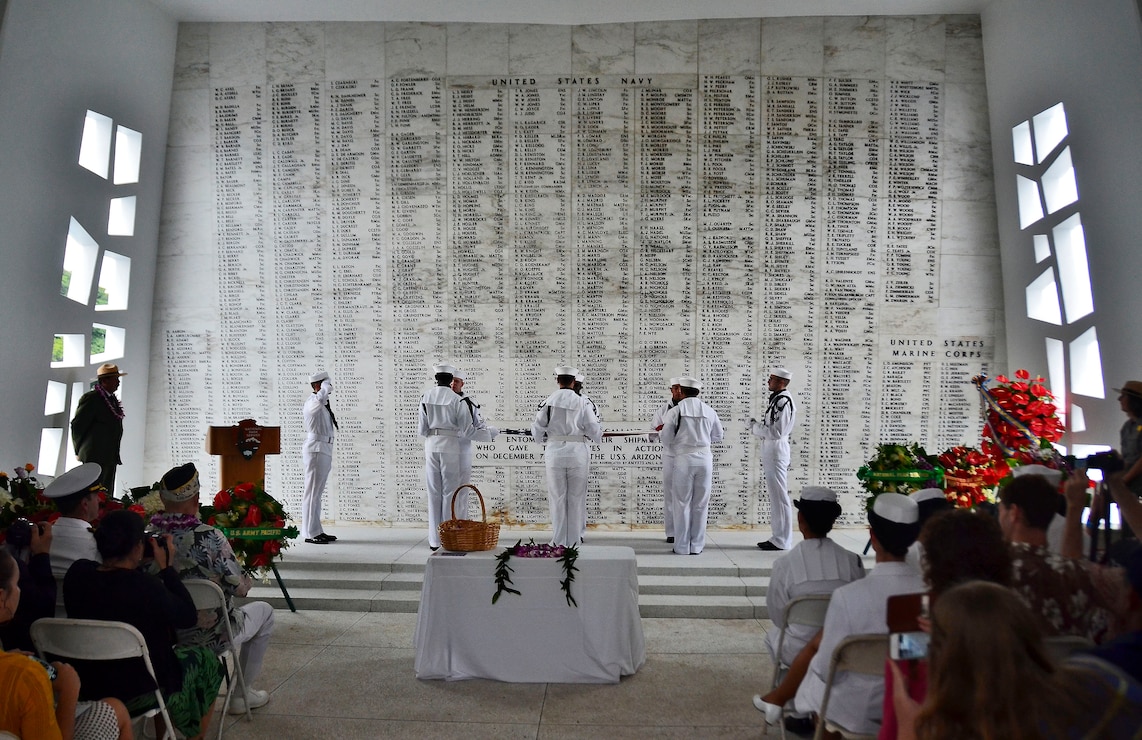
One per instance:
(447,425)
(690,428)
(71,540)
(773,430)
(566,423)
(316,456)
(667,471)
(813,566)
(856,608)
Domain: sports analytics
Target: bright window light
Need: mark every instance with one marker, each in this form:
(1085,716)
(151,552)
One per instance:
(77,390)
(55,401)
(95,147)
(1050,130)
(114,279)
(1078,419)
(1078,300)
(79,256)
(1042,247)
(107,343)
(1059,186)
(50,441)
(1057,374)
(1086,365)
(1030,206)
(121,220)
(1021,142)
(128,150)
(1043,299)
(68,350)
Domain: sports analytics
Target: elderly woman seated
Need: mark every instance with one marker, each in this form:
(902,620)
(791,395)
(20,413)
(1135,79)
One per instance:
(155,605)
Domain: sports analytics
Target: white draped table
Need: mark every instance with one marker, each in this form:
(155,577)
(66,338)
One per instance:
(536,637)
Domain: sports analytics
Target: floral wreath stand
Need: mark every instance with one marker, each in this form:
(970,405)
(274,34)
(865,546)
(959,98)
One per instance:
(914,478)
(262,533)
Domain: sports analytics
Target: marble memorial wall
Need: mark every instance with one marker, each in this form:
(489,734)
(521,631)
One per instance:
(640,201)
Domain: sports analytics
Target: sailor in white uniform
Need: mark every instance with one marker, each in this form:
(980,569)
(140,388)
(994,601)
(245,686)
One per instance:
(566,424)
(481,432)
(773,429)
(690,428)
(447,428)
(667,460)
(317,456)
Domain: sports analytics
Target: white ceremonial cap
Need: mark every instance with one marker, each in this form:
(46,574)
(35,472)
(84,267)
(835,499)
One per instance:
(437,369)
(74,481)
(818,493)
(458,374)
(674,381)
(1054,477)
(564,370)
(580,378)
(781,372)
(318,377)
(896,507)
(690,383)
(927,494)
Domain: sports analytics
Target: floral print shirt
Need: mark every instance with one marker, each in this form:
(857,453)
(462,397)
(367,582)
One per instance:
(1060,592)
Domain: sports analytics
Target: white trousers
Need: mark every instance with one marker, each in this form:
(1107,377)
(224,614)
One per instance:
(317,467)
(567,499)
(254,639)
(775,465)
(444,472)
(693,478)
(667,496)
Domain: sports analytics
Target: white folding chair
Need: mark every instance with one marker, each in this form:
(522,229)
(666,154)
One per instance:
(208,595)
(808,610)
(96,639)
(864,654)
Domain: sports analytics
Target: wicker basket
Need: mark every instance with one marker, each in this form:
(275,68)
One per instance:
(465,535)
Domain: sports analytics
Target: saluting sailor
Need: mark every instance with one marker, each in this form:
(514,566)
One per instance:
(773,430)
(566,423)
(689,429)
(446,423)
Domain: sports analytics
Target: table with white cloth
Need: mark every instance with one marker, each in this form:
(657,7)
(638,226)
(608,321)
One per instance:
(535,637)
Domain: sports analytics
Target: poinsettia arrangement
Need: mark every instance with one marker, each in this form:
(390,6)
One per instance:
(1022,419)
(253,521)
(899,469)
(970,476)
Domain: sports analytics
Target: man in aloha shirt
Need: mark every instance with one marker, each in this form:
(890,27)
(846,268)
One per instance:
(1058,589)
(202,551)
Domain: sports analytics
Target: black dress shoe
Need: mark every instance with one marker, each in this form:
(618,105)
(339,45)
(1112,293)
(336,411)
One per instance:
(769,546)
(316,540)
(670,540)
(328,537)
(434,549)
(799,725)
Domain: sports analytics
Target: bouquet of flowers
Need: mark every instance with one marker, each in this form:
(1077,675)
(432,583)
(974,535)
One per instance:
(899,469)
(253,521)
(1022,421)
(144,500)
(21,497)
(970,476)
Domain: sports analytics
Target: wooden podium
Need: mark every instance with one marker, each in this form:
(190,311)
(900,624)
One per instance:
(243,449)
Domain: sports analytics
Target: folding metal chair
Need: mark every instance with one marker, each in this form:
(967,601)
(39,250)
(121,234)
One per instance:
(864,654)
(96,639)
(808,610)
(207,595)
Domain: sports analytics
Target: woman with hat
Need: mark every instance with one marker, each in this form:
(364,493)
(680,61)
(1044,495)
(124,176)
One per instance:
(97,427)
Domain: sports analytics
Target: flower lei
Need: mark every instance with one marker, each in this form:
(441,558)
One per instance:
(111,401)
(566,555)
(175,522)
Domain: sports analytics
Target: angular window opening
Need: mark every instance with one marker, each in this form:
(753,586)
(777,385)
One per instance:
(95,146)
(77,390)
(50,442)
(1043,299)
(67,350)
(121,218)
(1050,130)
(1078,419)
(1057,374)
(1059,186)
(55,400)
(107,343)
(1030,205)
(1042,247)
(114,280)
(128,151)
(1021,143)
(1074,274)
(1086,365)
(79,257)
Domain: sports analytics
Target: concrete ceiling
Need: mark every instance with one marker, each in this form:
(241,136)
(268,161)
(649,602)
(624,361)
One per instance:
(560,12)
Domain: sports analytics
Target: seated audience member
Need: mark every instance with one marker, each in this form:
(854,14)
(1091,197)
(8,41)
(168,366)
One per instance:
(931,501)
(860,608)
(1059,590)
(118,590)
(33,703)
(1057,527)
(76,495)
(990,676)
(1125,651)
(37,586)
(816,565)
(201,551)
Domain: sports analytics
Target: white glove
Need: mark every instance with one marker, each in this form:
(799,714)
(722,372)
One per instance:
(327,385)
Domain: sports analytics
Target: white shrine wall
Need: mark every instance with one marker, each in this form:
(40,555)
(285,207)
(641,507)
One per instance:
(638,200)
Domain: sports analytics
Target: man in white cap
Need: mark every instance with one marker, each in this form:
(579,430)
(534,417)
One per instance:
(859,608)
(317,456)
(774,429)
(448,426)
(931,501)
(76,495)
(566,423)
(667,461)
(481,432)
(689,429)
(97,427)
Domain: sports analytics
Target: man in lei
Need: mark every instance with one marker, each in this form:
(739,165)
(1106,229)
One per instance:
(97,428)
(202,551)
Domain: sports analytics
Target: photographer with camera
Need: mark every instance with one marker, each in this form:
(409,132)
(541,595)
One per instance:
(29,544)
